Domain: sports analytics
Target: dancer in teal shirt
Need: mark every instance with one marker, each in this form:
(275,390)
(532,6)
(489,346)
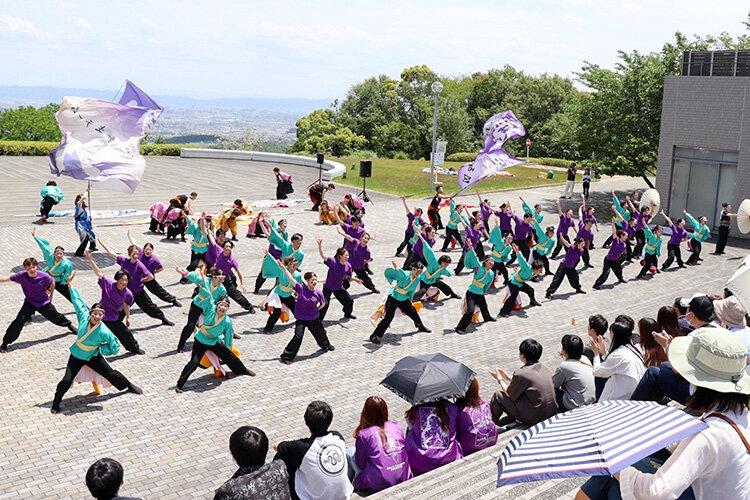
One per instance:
(58,266)
(701,233)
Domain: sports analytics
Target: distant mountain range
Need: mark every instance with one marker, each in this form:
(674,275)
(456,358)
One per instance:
(15,95)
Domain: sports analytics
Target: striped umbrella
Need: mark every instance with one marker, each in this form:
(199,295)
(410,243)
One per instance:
(596,440)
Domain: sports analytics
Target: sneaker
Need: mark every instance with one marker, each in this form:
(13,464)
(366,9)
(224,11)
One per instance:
(250,309)
(72,330)
(375,290)
(460,332)
(135,389)
(236,336)
(424,329)
(184,281)
(165,321)
(234,238)
(349,316)
(454,296)
(330,347)
(176,303)
(596,287)
(374,339)
(490,320)
(547,295)
(285,361)
(140,352)
(534,303)
(580,290)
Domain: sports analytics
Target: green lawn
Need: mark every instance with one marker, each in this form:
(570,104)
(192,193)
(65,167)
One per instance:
(405,177)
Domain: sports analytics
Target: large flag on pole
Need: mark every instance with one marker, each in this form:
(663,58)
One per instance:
(101,139)
(493,158)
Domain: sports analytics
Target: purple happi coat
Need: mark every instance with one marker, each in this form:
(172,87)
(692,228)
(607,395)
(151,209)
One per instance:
(427,444)
(381,466)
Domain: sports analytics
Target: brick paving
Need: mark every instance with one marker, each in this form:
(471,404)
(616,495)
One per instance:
(176,446)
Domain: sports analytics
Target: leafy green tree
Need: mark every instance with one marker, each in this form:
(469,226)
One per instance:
(27,123)
(320,132)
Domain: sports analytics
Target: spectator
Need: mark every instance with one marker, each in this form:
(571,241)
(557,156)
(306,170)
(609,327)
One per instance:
(700,311)
(378,459)
(598,326)
(254,480)
(316,465)
(714,463)
(571,181)
(730,315)
(623,367)
(474,427)
(667,321)
(104,479)
(431,436)
(681,311)
(653,353)
(574,378)
(530,395)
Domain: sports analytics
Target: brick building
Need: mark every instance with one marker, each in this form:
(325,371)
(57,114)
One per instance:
(704,143)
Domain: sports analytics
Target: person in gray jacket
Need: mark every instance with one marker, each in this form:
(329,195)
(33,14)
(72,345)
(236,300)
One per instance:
(574,378)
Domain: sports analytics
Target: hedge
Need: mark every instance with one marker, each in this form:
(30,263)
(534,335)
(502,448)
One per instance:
(553,162)
(464,157)
(30,148)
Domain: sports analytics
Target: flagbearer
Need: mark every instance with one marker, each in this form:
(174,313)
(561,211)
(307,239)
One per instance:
(59,267)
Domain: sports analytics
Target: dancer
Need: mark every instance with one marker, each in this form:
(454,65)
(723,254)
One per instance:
(214,335)
(679,234)
(435,270)
(724,220)
(154,266)
(501,250)
(451,228)
(588,212)
(624,214)
(158,214)
(338,270)
(279,247)
(326,214)
(473,241)
(94,342)
(651,250)
(405,283)
(58,266)
(226,262)
(199,245)
(83,225)
(522,234)
(317,193)
(485,211)
(433,210)
(586,234)
(518,283)
(537,212)
(411,216)
(505,216)
(613,259)
(417,250)
(483,278)
(354,229)
(175,223)
(642,216)
(566,223)
(227,220)
(256,226)
(138,275)
(307,312)
(184,202)
(210,288)
(568,268)
(701,233)
(284,185)
(545,240)
(51,196)
(38,288)
(283,293)
(116,300)
(359,257)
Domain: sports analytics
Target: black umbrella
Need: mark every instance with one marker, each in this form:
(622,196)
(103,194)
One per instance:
(428,378)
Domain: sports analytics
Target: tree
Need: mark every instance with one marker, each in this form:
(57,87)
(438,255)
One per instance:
(27,123)
(320,132)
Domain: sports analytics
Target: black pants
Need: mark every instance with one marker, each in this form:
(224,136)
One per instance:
(175,229)
(195,260)
(222,352)
(629,250)
(342,296)
(146,304)
(608,241)
(586,257)
(473,300)
(47,203)
(561,273)
(649,261)
(86,241)
(695,246)
(544,260)
(123,334)
(499,267)
(404,243)
(316,198)
(559,245)
(63,290)
(96,363)
(435,220)
(159,291)
(439,284)
(673,253)
(155,226)
(25,313)
(316,328)
(236,294)
(366,280)
(194,313)
(524,247)
(289,302)
(511,300)
(259,281)
(586,186)
(411,258)
(389,311)
(454,234)
(723,237)
(640,241)
(615,266)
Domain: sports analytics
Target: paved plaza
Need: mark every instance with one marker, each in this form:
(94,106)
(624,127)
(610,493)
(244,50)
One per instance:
(176,445)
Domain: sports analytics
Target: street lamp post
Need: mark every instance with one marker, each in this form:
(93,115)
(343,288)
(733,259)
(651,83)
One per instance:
(436,87)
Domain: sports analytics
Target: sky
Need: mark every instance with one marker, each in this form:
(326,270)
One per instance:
(320,48)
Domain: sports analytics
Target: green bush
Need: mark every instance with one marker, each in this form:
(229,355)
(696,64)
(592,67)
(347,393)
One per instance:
(363,154)
(164,149)
(552,162)
(464,157)
(32,148)
(400,155)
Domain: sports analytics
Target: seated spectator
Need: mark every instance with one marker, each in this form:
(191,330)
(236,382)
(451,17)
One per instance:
(730,315)
(700,311)
(714,463)
(574,378)
(598,326)
(667,321)
(474,427)
(431,436)
(378,459)
(104,479)
(680,305)
(623,367)
(254,480)
(653,353)
(316,465)
(529,396)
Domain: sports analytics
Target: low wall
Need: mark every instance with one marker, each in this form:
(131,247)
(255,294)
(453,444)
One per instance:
(331,169)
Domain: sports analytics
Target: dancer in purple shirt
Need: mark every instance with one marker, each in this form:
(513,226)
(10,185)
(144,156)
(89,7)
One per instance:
(522,234)
(154,266)
(417,250)
(307,311)
(485,211)
(138,276)
(505,217)
(613,259)
(359,257)
(411,216)
(473,241)
(679,234)
(38,288)
(568,268)
(642,216)
(566,222)
(339,269)
(586,234)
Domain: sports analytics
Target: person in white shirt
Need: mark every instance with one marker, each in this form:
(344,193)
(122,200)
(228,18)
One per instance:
(714,463)
(574,377)
(623,367)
